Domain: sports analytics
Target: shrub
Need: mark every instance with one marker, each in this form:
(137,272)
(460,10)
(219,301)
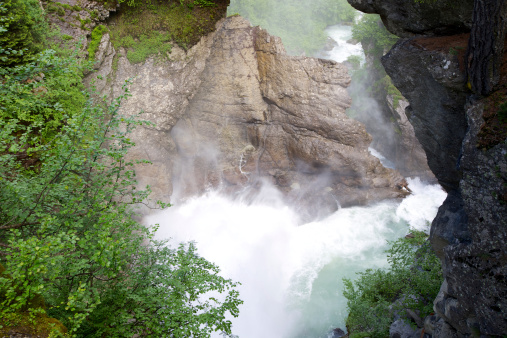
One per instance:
(370,31)
(411,282)
(68,232)
(21,31)
(39,96)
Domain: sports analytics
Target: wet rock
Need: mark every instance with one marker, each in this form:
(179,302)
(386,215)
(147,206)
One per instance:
(401,329)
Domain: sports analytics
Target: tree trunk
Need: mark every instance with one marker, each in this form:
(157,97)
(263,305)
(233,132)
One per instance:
(486,45)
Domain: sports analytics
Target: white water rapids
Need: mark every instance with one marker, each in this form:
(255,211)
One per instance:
(291,273)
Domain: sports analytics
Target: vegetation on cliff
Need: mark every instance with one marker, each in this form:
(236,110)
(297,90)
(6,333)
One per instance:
(147,28)
(299,23)
(69,235)
(411,282)
(376,41)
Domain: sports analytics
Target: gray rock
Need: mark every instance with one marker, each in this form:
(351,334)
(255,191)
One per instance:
(408,18)
(432,82)
(236,110)
(470,230)
(401,329)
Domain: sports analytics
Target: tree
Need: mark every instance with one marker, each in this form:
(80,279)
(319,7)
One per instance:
(21,31)
(486,45)
(68,230)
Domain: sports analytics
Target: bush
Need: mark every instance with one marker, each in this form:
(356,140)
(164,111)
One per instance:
(39,96)
(22,31)
(370,31)
(411,282)
(68,233)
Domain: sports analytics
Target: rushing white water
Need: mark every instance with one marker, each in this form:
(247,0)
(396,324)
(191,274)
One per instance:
(385,162)
(341,34)
(291,274)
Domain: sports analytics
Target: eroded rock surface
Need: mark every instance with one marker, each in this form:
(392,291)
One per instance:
(236,110)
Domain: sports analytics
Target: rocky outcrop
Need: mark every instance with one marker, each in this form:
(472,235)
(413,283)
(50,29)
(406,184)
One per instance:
(470,230)
(409,18)
(432,82)
(236,110)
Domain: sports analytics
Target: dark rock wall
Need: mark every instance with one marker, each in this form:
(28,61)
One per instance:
(406,18)
(433,84)
(470,230)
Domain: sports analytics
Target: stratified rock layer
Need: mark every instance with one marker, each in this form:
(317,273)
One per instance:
(236,110)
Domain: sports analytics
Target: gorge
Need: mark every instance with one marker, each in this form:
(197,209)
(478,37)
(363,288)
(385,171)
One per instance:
(283,171)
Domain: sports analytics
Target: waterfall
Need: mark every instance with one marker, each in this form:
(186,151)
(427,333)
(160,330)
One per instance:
(291,273)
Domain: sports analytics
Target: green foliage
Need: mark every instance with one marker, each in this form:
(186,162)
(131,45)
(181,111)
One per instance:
(411,282)
(204,3)
(22,31)
(355,61)
(68,233)
(150,26)
(147,45)
(299,23)
(371,32)
(38,97)
(97,34)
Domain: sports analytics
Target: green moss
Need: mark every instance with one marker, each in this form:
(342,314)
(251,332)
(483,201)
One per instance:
(149,26)
(30,319)
(97,34)
(148,45)
(53,8)
(84,22)
(76,8)
(67,37)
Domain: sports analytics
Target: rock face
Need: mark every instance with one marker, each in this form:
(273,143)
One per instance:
(408,18)
(470,231)
(236,110)
(433,84)
(385,119)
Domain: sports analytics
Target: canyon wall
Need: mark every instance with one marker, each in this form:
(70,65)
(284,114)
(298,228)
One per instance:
(235,110)
(464,136)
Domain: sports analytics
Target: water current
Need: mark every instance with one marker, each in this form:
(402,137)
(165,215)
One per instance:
(291,272)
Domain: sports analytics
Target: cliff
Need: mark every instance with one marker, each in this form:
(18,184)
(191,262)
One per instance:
(464,136)
(236,110)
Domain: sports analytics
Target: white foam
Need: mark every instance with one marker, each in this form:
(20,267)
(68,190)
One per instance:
(283,266)
(341,34)
(420,208)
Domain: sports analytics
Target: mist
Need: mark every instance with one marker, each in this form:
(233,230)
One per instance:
(299,23)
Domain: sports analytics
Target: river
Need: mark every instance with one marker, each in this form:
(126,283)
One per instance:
(291,272)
